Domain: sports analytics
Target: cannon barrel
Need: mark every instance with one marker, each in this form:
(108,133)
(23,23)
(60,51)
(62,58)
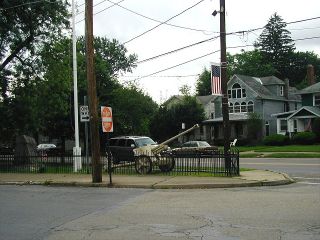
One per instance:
(162,146)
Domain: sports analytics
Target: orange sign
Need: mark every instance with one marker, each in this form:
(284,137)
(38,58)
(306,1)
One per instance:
(106,115)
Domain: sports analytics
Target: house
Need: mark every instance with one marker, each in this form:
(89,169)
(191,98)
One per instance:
(264,96)
(301,119)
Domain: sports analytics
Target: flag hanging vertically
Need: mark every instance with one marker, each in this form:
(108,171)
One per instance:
(215,80)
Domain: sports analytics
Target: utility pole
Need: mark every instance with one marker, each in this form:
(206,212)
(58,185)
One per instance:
(224,87)
(92,94)
(76,150)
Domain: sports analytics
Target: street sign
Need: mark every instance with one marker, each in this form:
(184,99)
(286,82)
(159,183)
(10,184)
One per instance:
(106,115)
(84,114)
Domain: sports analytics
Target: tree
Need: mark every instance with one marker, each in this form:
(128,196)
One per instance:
(25,26)
(167,121)
(203,85)
(276,45)
(250,63)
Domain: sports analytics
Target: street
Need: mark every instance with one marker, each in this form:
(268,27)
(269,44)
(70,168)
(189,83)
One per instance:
(303,170)
(281,212)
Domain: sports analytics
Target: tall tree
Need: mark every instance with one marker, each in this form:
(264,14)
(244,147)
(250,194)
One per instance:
(167,121)
(250,63)
(276,45)
(24,26)
(203,84)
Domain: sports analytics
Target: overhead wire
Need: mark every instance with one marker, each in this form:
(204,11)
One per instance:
(23,4)
(155,20)
(151,29)
(205,55)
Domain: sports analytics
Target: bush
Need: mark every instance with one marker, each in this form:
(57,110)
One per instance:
(276,140)
(304,138)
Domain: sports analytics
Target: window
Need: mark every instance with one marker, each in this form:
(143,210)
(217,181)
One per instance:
(244,94)
(230,107)
(316,99)
(237,91)
(250,106)
(281,90)
(212,115)
(295,106)
(236,107)
(243,107)
(283,125)
(229,93)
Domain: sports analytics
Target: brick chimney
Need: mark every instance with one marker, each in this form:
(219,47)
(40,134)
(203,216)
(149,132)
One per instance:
(310,75)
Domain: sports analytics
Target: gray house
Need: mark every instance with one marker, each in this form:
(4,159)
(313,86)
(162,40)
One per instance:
(301,119)
(264,96)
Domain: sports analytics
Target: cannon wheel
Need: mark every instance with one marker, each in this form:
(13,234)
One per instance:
(143,164)
(168,166)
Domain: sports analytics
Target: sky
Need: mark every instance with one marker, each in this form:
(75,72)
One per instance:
(194,24)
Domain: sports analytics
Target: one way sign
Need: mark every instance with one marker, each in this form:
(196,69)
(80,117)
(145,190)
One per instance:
(84,114)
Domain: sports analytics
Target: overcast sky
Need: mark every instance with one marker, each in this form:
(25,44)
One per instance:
(123,25)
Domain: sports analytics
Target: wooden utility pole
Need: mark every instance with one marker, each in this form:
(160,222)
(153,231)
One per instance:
(224,86)
(92,95)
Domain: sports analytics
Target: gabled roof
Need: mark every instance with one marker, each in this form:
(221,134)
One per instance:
(311,109)
(206,99)
(315,88)
(258,86)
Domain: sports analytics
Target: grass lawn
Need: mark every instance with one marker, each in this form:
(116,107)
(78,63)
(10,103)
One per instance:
(288,148)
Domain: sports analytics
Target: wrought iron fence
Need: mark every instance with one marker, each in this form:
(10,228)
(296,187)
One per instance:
(214,163)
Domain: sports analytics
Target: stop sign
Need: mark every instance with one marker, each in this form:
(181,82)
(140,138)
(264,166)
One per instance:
(106,115)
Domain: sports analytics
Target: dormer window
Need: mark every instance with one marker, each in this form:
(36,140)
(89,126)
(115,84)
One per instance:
(281,90)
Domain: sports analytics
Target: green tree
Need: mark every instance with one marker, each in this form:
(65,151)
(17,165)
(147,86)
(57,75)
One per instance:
(132,111)
(276,45)
(203,84)
(167,121)
(24,27)
(250,63)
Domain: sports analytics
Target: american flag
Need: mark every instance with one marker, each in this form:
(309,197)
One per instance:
(215,80)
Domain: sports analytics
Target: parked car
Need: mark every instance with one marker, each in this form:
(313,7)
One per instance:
(121,148)
(194,147)
(45,146)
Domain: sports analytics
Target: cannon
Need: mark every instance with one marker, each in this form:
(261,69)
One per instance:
(150,155)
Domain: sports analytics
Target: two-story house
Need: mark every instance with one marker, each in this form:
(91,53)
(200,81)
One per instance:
(263,96)
(301,119)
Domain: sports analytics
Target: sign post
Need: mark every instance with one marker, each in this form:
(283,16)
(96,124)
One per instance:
(107,126)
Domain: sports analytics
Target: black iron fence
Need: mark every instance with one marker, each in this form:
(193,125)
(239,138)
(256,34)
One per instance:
(214,163)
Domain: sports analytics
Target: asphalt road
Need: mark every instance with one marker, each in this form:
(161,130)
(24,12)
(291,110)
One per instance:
(290,212)
(303,170)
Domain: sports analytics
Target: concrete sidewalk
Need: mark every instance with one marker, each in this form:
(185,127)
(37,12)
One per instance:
(246,179)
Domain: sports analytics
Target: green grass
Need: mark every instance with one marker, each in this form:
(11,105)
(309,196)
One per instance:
(288,148)
(293,155)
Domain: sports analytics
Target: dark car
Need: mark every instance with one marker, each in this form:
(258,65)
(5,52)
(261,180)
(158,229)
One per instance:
(194,147)
(121,148)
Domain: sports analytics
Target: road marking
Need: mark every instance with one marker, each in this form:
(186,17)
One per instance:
(307,178)
(310,183)
(282,164)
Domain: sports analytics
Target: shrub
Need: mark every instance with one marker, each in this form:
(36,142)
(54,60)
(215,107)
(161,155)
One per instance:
(276,140)
(304,138)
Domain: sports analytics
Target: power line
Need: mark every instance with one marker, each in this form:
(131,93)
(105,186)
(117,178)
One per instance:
(102,9)
(155,20)
(28,3)
(166,76)
(163,22)
(205,55)
(93,6)
(176,50)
